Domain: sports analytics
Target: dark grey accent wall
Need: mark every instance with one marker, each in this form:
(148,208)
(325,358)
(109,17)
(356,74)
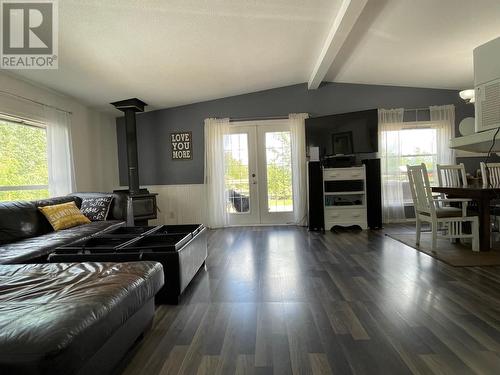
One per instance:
(472,164)
(153,128)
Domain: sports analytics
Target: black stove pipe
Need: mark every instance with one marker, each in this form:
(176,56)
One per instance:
(129,107)
(132,159)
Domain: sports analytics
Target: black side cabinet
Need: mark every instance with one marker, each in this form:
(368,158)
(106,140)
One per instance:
(374,199)
(315,180)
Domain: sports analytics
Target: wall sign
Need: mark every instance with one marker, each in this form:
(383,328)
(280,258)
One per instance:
(182,146)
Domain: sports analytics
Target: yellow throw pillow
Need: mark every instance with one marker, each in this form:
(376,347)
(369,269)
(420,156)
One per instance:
(63,216)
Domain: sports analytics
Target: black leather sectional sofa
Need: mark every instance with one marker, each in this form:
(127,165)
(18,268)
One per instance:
(80,313)
(27,237)
(67,318)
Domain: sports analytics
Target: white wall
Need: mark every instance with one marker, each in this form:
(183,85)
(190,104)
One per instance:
(178,204)
(93,133)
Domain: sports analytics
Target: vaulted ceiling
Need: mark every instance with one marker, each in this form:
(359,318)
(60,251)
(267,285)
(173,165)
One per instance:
(421,43)
(175,52)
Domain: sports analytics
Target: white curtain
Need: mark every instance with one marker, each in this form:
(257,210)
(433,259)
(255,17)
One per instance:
(216,215)
(298,135)
(443,119)
(59,150)
(390,121)
(392,133)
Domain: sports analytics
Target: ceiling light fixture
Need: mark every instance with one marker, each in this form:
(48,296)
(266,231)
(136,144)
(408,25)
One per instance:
(468,95)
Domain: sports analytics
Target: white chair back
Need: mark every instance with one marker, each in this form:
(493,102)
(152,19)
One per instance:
(452,175)
(420,188)
(490,173)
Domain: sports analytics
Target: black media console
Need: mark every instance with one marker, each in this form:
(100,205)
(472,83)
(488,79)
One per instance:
(317,188)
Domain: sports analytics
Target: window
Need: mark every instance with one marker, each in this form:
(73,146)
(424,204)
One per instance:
(410,145)
(23,161)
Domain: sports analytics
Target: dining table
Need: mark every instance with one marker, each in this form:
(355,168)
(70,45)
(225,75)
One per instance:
(482,195)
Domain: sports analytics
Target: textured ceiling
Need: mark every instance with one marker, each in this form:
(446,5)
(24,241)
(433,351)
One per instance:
(171,53)
(176,52)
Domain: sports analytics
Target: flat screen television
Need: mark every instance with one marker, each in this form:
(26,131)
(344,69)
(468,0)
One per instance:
(344,134)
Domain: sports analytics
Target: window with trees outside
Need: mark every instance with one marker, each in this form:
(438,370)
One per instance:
(410,146)
(23,161)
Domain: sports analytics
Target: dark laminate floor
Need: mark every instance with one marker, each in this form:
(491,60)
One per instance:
(279,300)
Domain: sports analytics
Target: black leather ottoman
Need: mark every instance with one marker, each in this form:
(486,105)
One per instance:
(181,249)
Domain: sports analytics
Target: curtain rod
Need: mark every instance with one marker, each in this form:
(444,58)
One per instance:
(236,119)
(417,109)
(34,101)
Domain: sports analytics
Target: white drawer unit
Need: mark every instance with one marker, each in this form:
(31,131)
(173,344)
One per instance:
(342,215)
(344,197)
(340,174)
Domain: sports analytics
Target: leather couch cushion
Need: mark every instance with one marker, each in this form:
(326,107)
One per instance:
(54,317)
(21,219)
(18,220)
(31,248)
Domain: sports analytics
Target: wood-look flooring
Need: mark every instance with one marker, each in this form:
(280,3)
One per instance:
(281,300)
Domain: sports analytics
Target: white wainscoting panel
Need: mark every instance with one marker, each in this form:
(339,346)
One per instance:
(179,204)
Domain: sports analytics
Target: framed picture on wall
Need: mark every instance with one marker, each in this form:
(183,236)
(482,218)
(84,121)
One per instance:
(342,143)
(182,145)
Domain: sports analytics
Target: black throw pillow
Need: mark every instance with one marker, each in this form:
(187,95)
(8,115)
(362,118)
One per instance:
(96,209)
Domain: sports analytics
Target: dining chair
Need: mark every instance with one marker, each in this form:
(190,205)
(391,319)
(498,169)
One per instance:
(452,175)
(490,174)
(430,209)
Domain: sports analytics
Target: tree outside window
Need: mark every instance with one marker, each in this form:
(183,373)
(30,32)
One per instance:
(23,162)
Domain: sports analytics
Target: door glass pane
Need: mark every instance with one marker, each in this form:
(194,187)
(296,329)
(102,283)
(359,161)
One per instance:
(236,173)
(279,172)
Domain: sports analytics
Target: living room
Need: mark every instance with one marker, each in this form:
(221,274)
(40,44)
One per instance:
(226,187)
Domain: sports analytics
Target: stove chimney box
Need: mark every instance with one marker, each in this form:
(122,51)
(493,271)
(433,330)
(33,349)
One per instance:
(141,204)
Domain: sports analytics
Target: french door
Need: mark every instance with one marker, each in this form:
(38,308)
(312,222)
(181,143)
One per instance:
(259,173)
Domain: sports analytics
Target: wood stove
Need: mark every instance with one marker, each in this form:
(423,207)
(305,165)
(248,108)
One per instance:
(143,203)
